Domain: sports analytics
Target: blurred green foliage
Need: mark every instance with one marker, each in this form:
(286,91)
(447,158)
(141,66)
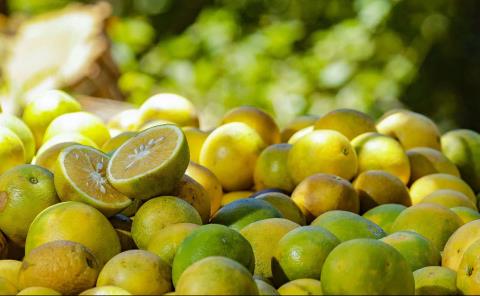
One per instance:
(295,57)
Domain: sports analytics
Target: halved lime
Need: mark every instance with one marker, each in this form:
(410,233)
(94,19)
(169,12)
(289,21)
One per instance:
(151,163)
(80,175)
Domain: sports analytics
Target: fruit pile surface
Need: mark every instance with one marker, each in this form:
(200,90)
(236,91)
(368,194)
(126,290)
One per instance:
(150,203)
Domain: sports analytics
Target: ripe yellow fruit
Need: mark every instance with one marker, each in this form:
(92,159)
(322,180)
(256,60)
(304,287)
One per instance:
(322,151)
(426,161)
(17,126)
(169,107)
(257,119)
(271,170)
(410,128)
(195,138)
(231,152)
(209,182)
(379,152)
(297,124)
(348,122)
(12,152)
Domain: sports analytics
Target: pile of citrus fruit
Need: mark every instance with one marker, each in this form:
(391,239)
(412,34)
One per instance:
(149,203)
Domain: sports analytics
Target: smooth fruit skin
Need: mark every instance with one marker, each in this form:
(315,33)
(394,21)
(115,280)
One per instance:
(195,138)
(38,291)
(379,152)
(297,124)
(87,124)
(231,152)
(216,276)
(430,183)
(41,111)
(25,191)
(410,128)
(418,250)
(435,222)
(106,290)
(284,204)
(435,280)
(366,266)
(158,213)
(265,288)
(209,182)
(17,126)
(9,270)
(61,222)
(462,147)
(240,213)
(380,187)
(466,214)
(211,240)
(301,287)
(263,236)
(301,253)
(257,119)
(320,193)
(7,288)
(347,225)
(459,242)
(12,152)
(468,279)
(449,198)
(322,151)
(169,107)
(426,161)
(348,122)
(137,271)
(271,170)
(384,215)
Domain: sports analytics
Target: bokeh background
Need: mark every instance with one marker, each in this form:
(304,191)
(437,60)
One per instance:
(295,57)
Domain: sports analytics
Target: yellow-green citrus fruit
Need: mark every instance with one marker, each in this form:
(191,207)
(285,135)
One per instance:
(435,222)
(384,215)
(468,280)
(242,212)
(426,161)
(459,242)
(66,138)
(195,138)
(9,270)
(38,291)
(158,213)
(379,152)
(380,187)
(124,121)
(106,290)
(466,214)
(265,289)
(234,196)
(61,222)
(301,253)
(435,280)
(301,287)
(320,193)
(84,123)
(297,124)
(366,266)
(211,240)
(113,143)
(462,147)
(284,204)
(47,158)
(209,182)
(347,225)
(449,198)
(151,163)
(263,236)
(231,152)
(322,151)
(192,192)
(271,170)
(410,128)
(348,122)
(165,242)
(170,107)
(42,110)
(216,275)
(17,126)
(431,183)
(65,266)
(25,191)
(418,250)
(7,288)
(257,119)
(12,152)
(300,133)
(80,175)
(137,271)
